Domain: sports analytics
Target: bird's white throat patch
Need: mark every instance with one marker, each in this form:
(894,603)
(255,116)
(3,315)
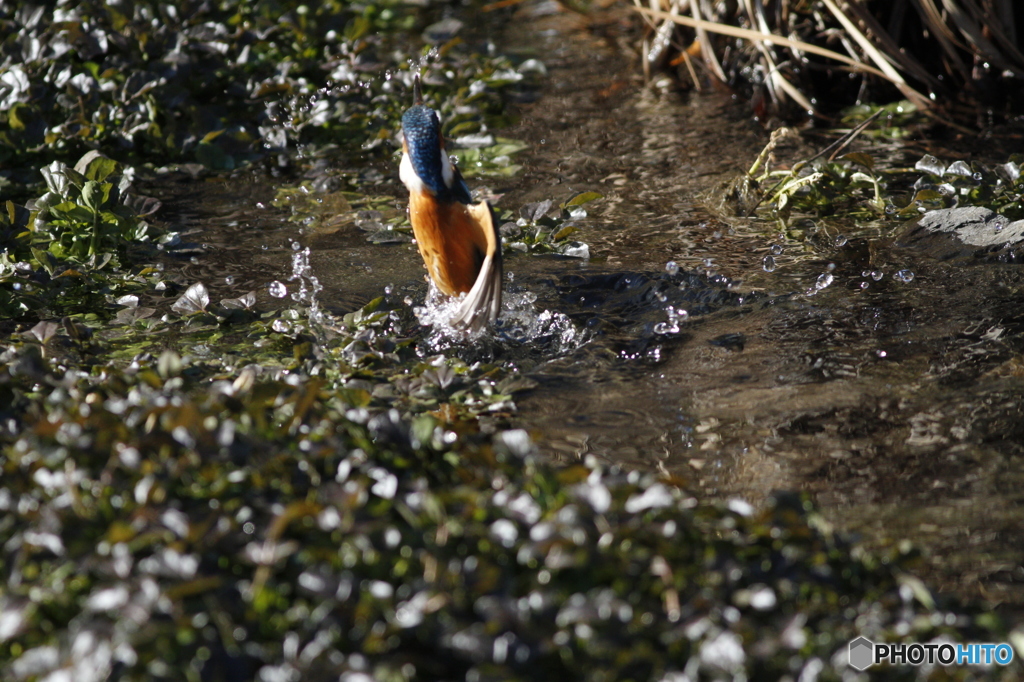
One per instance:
(408,175)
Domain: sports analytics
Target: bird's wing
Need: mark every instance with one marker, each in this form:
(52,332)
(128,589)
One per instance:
(459,188)
(483,302)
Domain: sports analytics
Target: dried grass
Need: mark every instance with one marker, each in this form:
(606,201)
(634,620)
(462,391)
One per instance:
(939,54)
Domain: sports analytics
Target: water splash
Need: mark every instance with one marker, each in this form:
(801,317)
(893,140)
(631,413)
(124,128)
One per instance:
(436,312)
(309,285)
(676,316)
(519,323)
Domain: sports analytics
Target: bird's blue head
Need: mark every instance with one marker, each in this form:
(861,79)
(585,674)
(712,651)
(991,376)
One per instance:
(425,144)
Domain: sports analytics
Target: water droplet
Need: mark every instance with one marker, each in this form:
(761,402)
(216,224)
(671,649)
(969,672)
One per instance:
(824,280)
(776,249)
(841,241)
(865,273)
(877,275)
(709,262)
(881,353)
(277,289)
(976,177)
(229,280)
(769,264)
(296,246)
(281,326)
(999,222)
(672,268)
(890,209)
(387,290)
(864,285)
(905,276)
(830,267)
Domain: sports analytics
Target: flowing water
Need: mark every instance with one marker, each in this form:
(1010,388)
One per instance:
(711,348)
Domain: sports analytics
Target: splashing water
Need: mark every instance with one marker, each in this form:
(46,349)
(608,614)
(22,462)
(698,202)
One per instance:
(676,316)
(436,312)
(309,285)
(823,282)
(519,323)
(277,289)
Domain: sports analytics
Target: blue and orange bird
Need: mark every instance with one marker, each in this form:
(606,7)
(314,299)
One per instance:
(458,240)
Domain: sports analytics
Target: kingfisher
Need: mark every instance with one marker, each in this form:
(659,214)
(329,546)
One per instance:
(458,240)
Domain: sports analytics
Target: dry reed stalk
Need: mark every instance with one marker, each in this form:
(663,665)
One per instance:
(978,40)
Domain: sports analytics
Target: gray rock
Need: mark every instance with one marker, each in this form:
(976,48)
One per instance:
(970,231)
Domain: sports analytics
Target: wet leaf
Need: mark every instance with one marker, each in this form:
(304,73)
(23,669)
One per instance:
(95,166)
(582,198)
(535,211)
(194,300)
(129,316)
(860,158)
(243,302)
(43,331)
(95,194)
(142,205)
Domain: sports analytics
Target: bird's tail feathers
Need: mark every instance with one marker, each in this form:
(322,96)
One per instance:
(482,303)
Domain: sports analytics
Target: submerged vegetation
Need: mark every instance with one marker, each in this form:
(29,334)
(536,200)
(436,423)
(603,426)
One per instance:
(239,489)
(856,185)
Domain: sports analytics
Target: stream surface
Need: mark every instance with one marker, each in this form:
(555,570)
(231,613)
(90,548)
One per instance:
(898,404)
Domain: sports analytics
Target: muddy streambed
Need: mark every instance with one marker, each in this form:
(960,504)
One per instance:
(895,401)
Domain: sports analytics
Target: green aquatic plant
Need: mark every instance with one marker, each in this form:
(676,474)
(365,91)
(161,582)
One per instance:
(225,84)
(86,210)
(544,228)
(70,247)
(999,188)
(483,159)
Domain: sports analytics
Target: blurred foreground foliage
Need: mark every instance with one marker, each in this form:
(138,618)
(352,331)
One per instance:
(221,518)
